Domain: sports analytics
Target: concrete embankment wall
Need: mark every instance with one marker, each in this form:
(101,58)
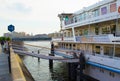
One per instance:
(18,69)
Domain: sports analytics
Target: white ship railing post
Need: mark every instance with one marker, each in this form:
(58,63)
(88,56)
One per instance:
(114,50)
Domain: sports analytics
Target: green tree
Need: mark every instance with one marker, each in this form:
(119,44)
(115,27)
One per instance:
(8,39)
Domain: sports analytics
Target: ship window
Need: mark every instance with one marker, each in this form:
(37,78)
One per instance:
(108,51)
(117,51)
(66,44)
(80,17)
(104,30)
(97,48)
(76,33)
(80,32)
(107,30)
(84,16)
(74,45)
(68,34)
(65,34)
(96,30)
(103,10)
(86,32)
(113,7)
(75,19)
(96,13)
(70,46)
(113,29)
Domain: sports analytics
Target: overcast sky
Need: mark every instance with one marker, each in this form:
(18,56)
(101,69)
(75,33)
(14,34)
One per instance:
(37,16)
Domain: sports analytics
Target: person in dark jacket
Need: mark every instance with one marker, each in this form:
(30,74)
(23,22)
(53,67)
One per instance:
(2,44)
(82,62)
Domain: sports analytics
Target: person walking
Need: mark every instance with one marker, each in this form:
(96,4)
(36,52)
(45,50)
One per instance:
(6,46)
(2,44)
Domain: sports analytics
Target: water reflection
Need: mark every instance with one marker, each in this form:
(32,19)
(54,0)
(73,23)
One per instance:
(59,72)
(41,71)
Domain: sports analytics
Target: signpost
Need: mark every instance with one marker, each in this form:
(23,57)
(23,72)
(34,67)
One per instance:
(11,28)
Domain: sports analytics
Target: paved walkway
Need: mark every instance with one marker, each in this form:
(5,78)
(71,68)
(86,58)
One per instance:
(4,68)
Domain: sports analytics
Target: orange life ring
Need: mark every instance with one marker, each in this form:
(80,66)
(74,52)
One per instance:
(119,9)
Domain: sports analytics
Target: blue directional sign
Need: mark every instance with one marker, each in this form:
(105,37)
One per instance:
(11,28)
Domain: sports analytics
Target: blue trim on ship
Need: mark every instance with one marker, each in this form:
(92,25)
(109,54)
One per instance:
(104,67)
(92,63)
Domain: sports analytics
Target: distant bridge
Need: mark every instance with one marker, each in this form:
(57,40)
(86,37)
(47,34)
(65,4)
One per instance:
(30,38)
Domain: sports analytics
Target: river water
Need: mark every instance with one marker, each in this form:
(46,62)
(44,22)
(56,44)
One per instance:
(40,70)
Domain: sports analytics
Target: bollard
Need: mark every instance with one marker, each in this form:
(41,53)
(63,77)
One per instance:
(32,52)
(52,54)
(38,57)
(50,62)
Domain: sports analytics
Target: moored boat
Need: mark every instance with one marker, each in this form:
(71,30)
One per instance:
(95,31)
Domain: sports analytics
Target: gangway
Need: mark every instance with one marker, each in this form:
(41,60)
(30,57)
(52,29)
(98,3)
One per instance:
(43,56)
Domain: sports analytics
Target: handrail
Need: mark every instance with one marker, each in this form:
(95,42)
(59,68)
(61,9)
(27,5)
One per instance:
(43,56)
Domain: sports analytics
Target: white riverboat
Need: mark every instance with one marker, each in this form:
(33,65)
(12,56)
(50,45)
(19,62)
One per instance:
(95,30)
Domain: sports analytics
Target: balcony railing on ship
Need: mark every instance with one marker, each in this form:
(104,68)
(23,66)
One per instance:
(94,19)
(90,38)
(63,39)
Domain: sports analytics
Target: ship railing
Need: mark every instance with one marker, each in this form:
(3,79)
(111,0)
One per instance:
(95,38)
(63,39)
(97,19)
(110,56)
(116,39)
(90,38)
(57,39)
(68,39)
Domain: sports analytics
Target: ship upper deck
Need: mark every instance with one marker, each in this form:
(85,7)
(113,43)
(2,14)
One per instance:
(102,11)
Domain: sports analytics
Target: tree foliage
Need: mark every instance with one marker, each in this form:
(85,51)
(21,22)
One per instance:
(5,39)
